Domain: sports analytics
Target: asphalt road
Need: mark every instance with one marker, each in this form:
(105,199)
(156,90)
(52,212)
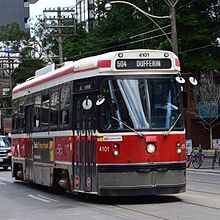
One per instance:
(21,201)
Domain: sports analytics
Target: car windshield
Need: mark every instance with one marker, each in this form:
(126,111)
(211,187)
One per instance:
(4,142)
(141,103)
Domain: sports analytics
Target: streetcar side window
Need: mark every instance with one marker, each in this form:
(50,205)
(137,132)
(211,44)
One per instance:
(37,112)
(45,110)
(65,106)
(54,108)
(15,116)
(21,115)
(18,116)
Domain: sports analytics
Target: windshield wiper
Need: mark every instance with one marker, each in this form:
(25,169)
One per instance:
(166,133)
(138,133)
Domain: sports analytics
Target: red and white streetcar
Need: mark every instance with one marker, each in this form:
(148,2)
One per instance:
(109,125)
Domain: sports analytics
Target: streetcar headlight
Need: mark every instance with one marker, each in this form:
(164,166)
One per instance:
(151,148)
(115,146)
(178,144)
(115,152)
(179,150)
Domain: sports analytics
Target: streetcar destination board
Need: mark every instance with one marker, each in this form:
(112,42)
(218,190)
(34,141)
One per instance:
(124,64)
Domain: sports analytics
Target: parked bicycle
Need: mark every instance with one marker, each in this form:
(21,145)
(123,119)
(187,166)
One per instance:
(216,158)
(195,158)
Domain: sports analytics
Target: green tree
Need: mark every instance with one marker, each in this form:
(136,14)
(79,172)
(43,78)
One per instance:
(126,28)
(121,28)
(12,32)
(26,49)
(26,69)
(197,34)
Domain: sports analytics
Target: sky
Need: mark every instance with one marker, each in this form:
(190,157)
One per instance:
(38,7)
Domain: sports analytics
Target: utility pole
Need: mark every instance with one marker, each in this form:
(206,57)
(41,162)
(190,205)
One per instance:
(61,21)
(7,66)
(172,5)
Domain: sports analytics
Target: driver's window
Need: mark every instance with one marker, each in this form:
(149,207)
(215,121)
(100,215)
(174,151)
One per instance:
(109,108)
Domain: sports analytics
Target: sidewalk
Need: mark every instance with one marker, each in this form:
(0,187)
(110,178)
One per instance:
(206,166)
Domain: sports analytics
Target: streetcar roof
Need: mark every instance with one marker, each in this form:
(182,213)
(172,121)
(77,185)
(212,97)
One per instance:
(86,67)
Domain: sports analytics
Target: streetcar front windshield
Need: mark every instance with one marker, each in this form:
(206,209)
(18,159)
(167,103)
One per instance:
(142,104)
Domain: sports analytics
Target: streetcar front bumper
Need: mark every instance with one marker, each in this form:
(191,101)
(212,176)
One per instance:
(141,181)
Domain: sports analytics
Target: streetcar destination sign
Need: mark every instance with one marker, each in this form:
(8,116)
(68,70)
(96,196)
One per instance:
(162,63)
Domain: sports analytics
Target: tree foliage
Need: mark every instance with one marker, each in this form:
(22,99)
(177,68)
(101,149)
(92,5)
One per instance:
(126,28)
(24,48)
(12,32)
(197,35)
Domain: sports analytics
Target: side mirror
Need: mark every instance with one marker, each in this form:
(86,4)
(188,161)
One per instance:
(100,100)
(180,79)
(193,80)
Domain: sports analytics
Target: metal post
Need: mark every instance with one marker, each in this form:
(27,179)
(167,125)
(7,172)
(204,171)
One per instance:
(60,38)
(173,27)
(172,5)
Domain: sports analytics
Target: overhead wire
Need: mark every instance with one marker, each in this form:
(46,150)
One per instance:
(116,46)
(197,48)
(144,39)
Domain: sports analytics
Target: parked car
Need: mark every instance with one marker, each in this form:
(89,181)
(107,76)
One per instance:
(5,152)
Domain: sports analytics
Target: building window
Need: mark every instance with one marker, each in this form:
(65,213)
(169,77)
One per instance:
(26,3)
(5,91)
(26,23)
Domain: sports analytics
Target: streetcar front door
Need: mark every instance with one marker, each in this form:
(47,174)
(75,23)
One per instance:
(85,155)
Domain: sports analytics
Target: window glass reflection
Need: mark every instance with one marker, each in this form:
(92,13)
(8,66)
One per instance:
(140,103)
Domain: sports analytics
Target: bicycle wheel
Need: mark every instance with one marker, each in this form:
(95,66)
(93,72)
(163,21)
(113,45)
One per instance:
(188,161)
(197,161)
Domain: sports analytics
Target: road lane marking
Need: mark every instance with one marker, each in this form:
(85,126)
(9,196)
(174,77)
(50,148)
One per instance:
(203,172)
(47,198)
(6,180)
(38,198)
(1,183)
